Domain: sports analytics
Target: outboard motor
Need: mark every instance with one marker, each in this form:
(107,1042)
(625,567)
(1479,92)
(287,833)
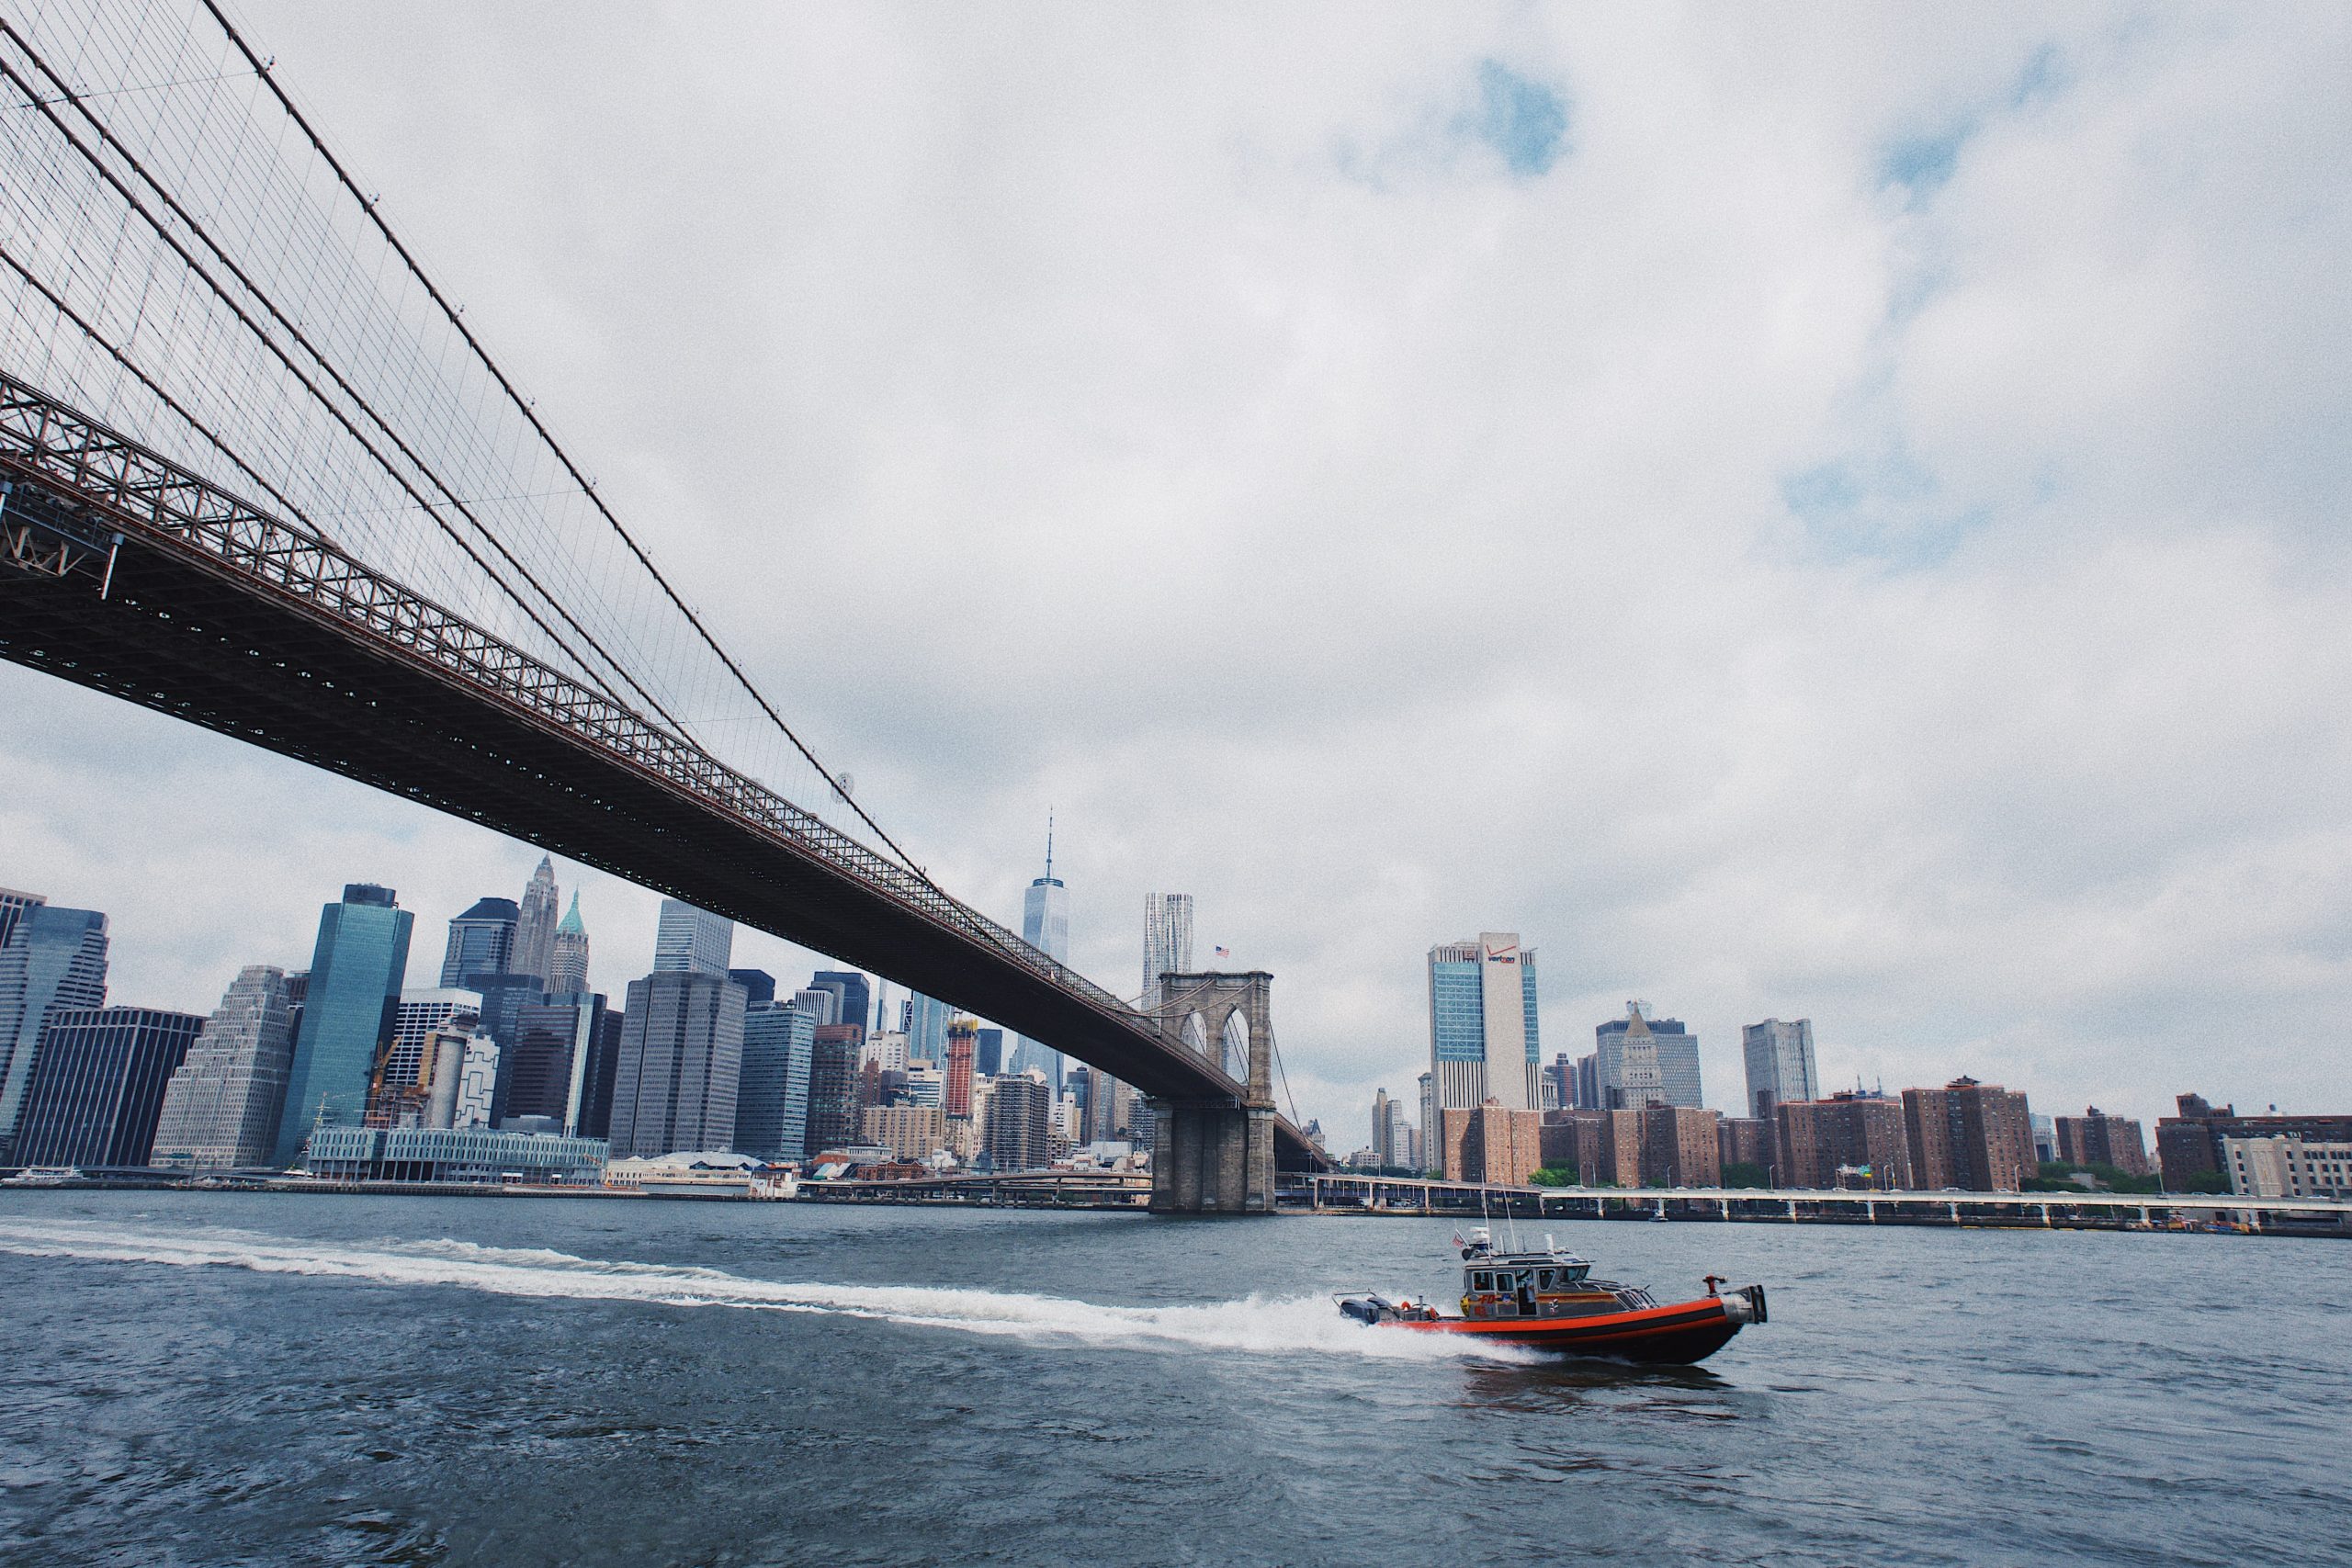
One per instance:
(1745,1304)
(1367,1310)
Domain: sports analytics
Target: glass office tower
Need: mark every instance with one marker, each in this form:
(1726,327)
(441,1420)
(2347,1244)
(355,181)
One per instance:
(348,1011)
(99,1083)
(772,1104)
(53,958)
(692,941)
(482,940)
(1484,1044)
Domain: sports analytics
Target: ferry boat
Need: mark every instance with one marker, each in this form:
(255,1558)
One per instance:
(1548,1300)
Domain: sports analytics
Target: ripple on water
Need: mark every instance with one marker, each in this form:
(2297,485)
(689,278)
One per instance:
(254,1378)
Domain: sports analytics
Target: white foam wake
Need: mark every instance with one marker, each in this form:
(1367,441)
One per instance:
(1256,1325)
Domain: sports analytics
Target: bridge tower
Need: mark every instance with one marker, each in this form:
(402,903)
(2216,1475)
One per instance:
(1217,1156)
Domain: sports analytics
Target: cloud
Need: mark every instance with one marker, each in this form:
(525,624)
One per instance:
(1832,515)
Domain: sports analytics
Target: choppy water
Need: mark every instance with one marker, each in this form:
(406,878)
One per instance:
(214,1378)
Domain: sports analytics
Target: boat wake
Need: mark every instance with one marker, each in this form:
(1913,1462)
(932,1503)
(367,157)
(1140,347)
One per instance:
(1255,1324)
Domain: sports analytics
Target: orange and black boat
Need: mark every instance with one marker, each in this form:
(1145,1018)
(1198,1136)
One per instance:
(1547,1299)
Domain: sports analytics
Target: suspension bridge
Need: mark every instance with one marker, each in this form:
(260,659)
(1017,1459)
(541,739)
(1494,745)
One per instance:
(258,472)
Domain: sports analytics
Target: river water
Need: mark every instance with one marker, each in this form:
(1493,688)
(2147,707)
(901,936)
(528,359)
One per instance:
(219,1378)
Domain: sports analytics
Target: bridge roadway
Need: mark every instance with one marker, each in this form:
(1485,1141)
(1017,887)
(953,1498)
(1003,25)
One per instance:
(1341,1192)
(121,571)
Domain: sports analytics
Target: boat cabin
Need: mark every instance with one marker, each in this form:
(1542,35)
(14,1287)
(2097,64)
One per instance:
(1548,1283)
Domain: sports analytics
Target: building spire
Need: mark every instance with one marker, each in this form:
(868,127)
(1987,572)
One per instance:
(1049,843)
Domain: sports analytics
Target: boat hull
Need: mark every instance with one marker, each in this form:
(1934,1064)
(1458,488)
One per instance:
(1665,1335)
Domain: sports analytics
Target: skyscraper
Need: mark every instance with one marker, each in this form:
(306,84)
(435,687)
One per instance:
(1018,1129)
(691,941)
(927,1018)
(98,1084)
(833,1088)
(12,905)
(1484,1042)
(348,1010)
(1167,941)
(1044,925)
(956,1095)
(856,993)
(597,1072)
(418,1014)
(53,958)
(568,974)
(1640,1060)
(987,1055)
(680,1064)
(1780,1064)
(481,942)
(553,1070)
(759,986)
(535,926)
(1559,1083)
(772,1104)
(1432,1130)
(223,1104)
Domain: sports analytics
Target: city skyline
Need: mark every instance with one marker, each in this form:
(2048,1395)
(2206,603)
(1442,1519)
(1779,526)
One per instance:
(1725,1064)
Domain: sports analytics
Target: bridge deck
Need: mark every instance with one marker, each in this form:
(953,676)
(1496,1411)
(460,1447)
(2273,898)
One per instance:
(219,613)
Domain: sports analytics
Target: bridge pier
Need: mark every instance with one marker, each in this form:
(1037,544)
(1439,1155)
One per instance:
(1212,1159)
(1217,1156)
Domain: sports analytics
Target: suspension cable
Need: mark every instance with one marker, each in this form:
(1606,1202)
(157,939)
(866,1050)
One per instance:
(390,470)
(59,305)
(367,205)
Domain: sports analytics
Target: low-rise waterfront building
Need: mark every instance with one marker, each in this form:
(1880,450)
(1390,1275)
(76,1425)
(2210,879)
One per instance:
(2286,1165)
(2189,1146)
(475,1156)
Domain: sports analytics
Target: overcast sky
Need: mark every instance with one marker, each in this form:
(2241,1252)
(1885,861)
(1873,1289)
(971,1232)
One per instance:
(1796,511)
